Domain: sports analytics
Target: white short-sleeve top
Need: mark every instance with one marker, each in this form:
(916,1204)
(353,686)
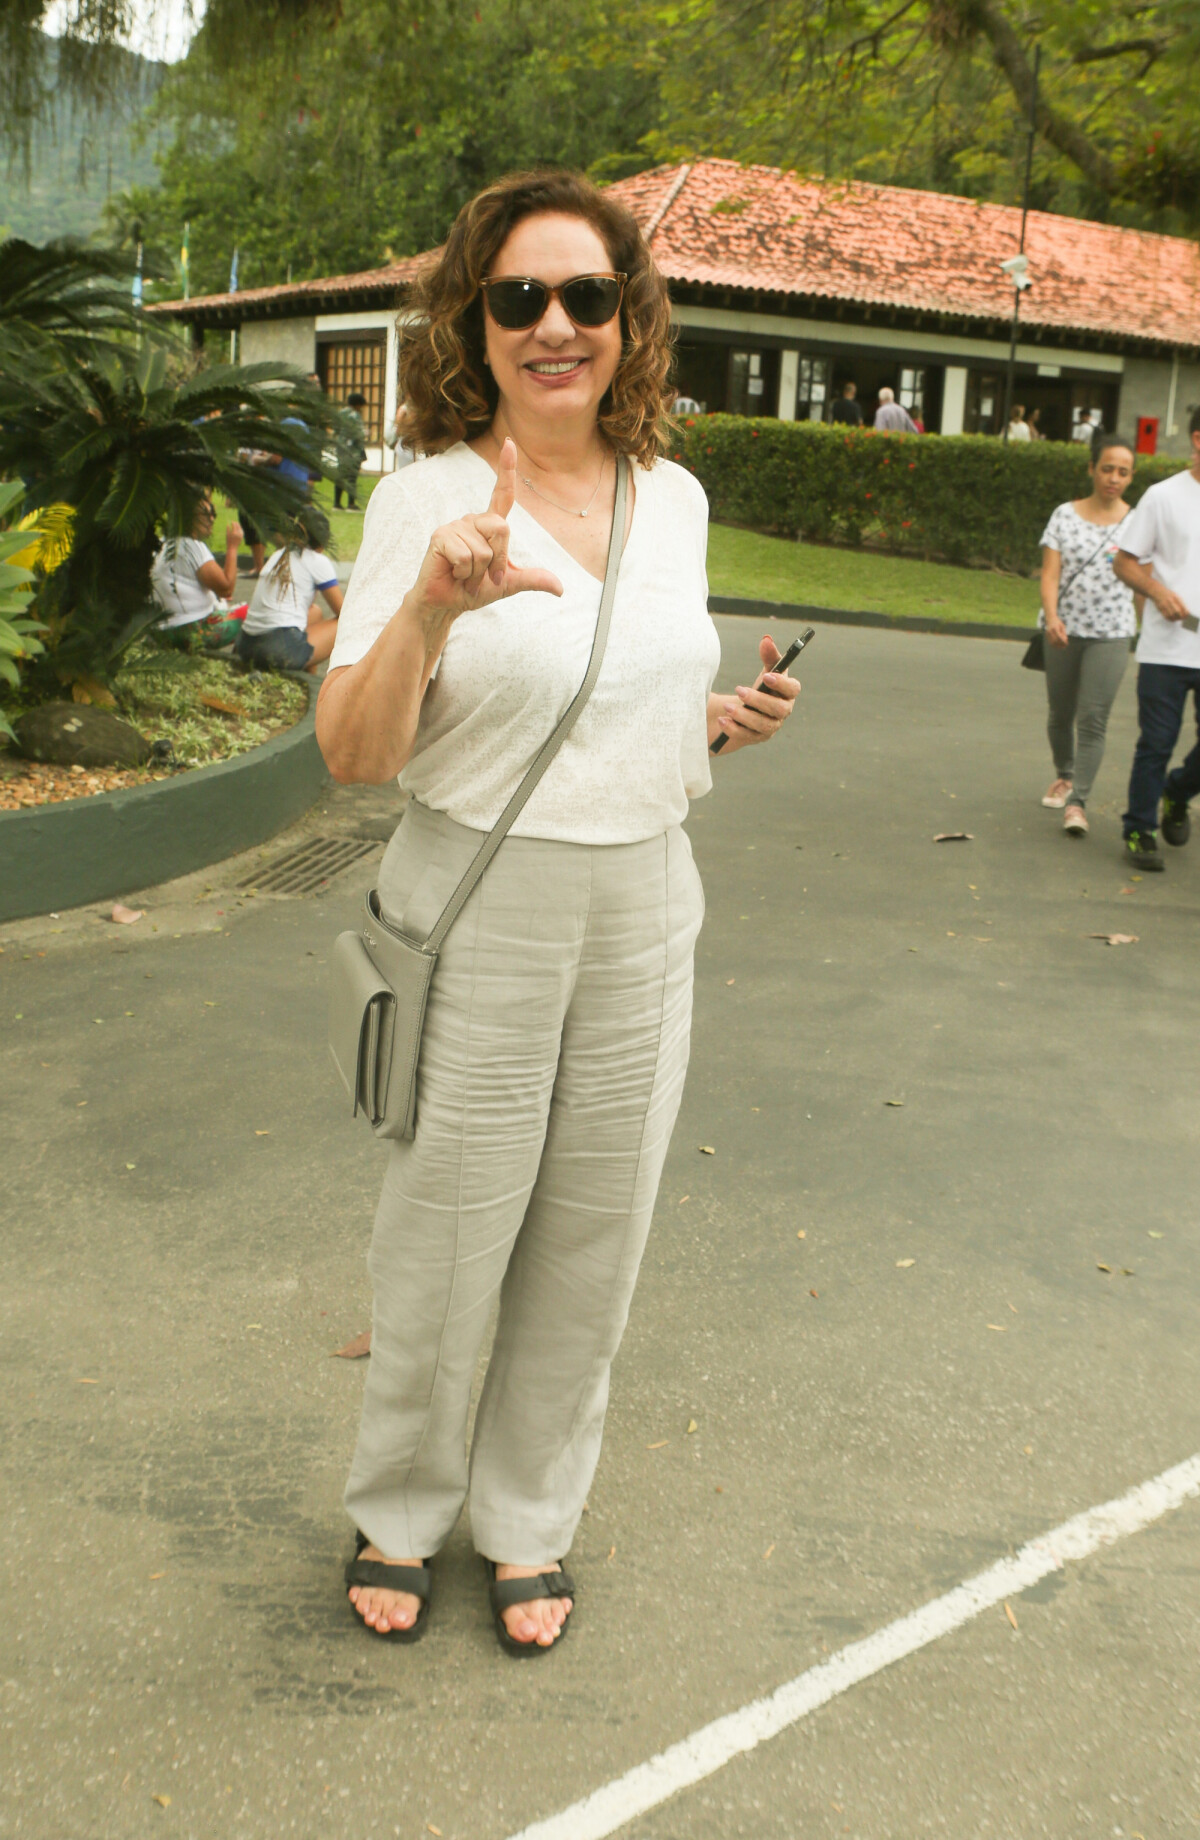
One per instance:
(639,750)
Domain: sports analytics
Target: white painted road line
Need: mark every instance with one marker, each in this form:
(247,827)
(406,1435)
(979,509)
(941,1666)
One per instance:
(707,1750)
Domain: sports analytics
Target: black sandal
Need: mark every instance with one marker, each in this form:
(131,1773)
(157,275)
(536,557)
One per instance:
(505,1592)
(415,1580)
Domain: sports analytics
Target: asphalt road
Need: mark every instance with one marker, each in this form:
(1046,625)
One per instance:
(938,1108)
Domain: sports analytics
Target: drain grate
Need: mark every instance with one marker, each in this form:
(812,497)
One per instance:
(308,869)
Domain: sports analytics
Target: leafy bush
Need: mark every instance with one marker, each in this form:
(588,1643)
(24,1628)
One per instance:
(18,634)
(955,498)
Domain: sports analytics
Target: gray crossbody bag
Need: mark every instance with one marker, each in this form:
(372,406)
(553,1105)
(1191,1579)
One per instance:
(379,979)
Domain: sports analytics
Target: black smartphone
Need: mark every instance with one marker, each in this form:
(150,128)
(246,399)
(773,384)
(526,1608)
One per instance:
(793,651)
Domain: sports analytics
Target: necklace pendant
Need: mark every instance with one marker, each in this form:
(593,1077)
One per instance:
(583,513)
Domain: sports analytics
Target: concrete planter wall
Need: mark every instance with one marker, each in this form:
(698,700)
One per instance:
(58,856)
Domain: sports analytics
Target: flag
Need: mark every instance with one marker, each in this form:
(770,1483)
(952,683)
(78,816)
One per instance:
(233,272)
(137,277)
(183,265)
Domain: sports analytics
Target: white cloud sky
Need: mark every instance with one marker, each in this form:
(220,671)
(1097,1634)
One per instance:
(162,29)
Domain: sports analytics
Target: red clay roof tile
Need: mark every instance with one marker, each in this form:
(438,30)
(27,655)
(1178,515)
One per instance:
(755,227)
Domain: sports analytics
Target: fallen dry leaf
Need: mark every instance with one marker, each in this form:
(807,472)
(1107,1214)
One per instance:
(661,1445)
(682,1199)
(814,1293)
(164,1801)
(729,981)
(903,1264)
(262,1134)
(899,1102)
(1029,1450)
(1008,1611)
(154,1575)
(692,1426)
(1153,1234)
(770,1550)
(354,1351)
(430,1828)
(612,1552)
(227,709)
(999,1328)
(707,1150)
(87,1383)
(801,1234)
(1100,1267)
(125,916)
(1116,939)
(1126,1272)
(955,837)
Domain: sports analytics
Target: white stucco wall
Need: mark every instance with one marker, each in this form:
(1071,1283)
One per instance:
(1146,389)
(279,341)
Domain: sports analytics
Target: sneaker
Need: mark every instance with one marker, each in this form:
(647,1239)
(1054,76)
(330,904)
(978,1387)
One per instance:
(1058,794)
(1141,851)
(1176,824)
(1075,821)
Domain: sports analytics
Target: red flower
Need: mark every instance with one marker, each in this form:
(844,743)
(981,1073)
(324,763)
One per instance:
(870,494)
(690,421)
(886,460)
(906,524)
(911,465)
(754,434)
(708,450)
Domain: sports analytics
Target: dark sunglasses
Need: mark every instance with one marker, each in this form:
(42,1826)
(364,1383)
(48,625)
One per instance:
(517,302)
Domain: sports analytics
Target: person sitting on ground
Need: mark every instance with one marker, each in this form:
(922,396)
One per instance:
(186,579)
(891,417)
(285,629)
(846,409)
(346,482)
(1160,558)
(1089,618)
(1018,427)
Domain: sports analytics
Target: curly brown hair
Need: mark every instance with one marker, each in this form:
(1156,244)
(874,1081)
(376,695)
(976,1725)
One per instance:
(447,389)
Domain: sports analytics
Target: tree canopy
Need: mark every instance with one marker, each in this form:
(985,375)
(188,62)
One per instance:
(318,136)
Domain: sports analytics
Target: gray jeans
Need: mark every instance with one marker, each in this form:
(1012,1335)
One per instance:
(1082,680)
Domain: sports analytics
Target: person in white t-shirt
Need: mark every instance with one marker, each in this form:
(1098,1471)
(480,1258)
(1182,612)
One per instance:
(556,1035)
(286,628)
(1160,558)
(186,579)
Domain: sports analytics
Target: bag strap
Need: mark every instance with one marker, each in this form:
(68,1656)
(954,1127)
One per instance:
(566,723)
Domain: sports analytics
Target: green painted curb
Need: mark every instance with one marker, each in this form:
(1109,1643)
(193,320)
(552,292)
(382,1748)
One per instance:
(58,856)
(841,616)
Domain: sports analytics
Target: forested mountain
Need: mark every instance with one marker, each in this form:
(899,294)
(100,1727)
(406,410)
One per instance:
(81,149)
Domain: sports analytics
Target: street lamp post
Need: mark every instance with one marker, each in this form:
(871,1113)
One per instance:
(1017,267)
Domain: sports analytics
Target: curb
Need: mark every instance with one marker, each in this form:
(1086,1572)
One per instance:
(841,616)
(60,856)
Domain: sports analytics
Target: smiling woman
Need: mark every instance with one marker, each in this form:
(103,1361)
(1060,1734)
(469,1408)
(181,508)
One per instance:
(556,1034)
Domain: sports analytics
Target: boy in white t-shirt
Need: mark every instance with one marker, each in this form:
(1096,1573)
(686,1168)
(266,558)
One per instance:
(286,629)
(1160,558)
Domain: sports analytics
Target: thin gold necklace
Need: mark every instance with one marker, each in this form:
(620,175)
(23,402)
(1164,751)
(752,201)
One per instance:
(568,509)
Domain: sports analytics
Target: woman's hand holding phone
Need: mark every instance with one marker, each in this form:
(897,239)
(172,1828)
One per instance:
(760,710)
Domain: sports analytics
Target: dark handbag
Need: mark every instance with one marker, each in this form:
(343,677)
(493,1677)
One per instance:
(1034,657)
(379,978)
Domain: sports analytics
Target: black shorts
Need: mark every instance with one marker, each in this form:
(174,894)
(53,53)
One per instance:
(250,529)
(282,648)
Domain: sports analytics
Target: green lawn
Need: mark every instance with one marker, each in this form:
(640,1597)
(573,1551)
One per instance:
(740,562)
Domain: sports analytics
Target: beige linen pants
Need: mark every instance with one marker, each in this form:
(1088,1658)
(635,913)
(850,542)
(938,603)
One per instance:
(552,1065)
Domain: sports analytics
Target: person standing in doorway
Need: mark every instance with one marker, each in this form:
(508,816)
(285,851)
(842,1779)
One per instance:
(891,417)
(1089,618)
(345,484)
(846,409)
(1160,558)
(1018,427)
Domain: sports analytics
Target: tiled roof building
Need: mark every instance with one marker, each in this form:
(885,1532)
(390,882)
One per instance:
(786,288)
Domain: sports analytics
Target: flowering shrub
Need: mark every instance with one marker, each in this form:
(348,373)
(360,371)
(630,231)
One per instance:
(959,498)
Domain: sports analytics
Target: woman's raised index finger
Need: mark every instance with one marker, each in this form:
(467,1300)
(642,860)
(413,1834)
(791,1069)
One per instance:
(505,489)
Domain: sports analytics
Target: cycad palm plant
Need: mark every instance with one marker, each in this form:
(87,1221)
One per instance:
(106,428)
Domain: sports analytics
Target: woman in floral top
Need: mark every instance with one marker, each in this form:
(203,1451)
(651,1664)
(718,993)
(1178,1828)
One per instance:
(1089,618)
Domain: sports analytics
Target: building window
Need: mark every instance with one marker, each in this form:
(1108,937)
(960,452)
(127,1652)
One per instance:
(911,394)
(354,367)
(984,403)
(746,383)
(812,389)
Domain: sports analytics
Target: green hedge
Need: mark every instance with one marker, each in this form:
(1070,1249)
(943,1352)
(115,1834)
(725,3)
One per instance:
(956,498)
